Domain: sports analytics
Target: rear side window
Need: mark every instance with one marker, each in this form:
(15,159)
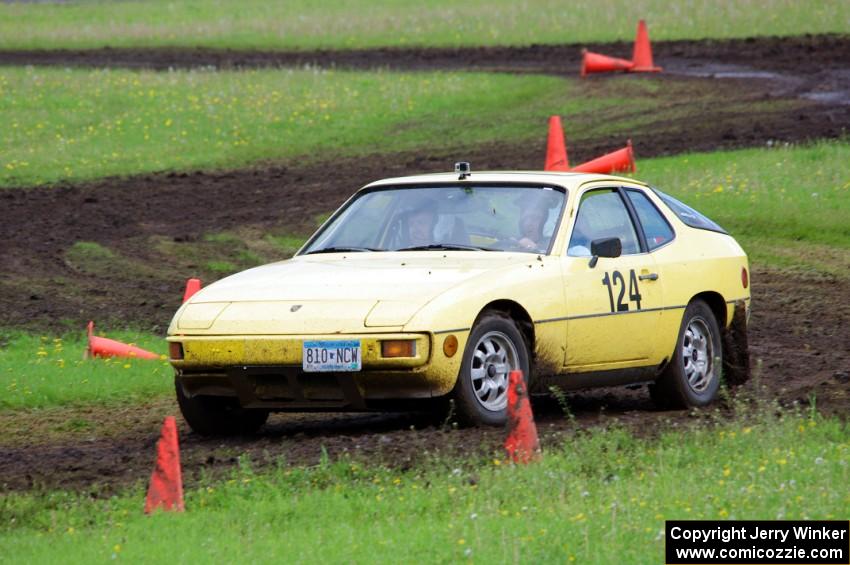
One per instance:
(688,215)
(655,227)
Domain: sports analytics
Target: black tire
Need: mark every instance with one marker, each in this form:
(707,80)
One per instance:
(692,378)
(474,405)
(218,415)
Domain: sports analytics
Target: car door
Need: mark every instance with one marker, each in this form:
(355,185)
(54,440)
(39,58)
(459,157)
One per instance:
(613,303)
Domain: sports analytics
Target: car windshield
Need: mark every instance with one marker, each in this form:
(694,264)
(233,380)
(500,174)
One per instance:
(489,218)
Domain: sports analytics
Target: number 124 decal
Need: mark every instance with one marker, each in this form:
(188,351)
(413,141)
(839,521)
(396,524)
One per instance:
(614,280)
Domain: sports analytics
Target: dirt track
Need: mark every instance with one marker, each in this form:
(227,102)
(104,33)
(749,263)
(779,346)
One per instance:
(809,54)
(799,328)
(798,336)
(131,215)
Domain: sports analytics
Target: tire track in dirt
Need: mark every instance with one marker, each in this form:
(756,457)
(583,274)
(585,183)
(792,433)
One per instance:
(804,53)
(799,339)
(799,327)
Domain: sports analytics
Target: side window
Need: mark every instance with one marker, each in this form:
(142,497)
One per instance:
(688,215)
(655,227)
(601,214)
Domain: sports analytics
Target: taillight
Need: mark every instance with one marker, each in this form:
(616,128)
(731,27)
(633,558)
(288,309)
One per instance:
(745,278)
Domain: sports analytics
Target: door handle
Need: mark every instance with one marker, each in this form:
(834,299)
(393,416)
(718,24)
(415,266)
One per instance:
(649,277)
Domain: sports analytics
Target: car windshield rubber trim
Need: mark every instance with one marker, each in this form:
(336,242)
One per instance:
(343,250)
(446,247)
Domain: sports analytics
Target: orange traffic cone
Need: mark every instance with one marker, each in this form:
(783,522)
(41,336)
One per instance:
(103,347)
(522,444)
(622,160)
(166,488)
(642,55)
(556,149)
(192,286)
(596,63)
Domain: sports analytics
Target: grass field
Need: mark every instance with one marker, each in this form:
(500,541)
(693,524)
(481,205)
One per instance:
(788,206)
(81,124)
(599,497)
(301,24)
(41,371)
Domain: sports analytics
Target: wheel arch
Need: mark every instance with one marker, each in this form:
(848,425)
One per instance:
(496,314)
(673,388)
(515,311)
(717,304)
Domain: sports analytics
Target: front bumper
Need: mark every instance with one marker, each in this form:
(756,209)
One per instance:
(207,352)
(266,371)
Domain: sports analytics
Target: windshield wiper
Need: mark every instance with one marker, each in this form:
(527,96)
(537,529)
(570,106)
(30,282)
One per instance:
(341,250)
(446,247)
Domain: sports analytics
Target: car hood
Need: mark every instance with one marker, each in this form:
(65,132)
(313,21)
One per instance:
(334,293)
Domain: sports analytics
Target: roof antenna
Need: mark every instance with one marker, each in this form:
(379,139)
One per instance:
(463,169)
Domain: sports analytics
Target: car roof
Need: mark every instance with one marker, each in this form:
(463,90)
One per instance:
(567,180)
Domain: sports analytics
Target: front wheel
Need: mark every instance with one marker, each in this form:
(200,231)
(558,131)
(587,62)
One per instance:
(495,348)
(692,378)
(218,415)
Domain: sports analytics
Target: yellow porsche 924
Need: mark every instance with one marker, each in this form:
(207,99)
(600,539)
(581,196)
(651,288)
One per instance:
(425,289)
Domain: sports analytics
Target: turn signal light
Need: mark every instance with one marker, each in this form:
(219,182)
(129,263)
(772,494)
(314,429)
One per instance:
(450,346)
(398,348)
(745,278)
(175,350)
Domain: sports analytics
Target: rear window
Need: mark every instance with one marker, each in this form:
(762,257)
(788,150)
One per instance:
(688,215)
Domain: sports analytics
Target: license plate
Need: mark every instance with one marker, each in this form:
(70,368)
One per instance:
(331,356)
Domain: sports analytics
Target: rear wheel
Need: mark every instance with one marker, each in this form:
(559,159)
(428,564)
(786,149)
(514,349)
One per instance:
(218,415)
(495,348)
(692,378)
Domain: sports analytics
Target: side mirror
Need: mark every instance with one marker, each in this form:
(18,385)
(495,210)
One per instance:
(605,247)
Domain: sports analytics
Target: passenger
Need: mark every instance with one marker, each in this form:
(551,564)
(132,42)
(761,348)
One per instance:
(531,224)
